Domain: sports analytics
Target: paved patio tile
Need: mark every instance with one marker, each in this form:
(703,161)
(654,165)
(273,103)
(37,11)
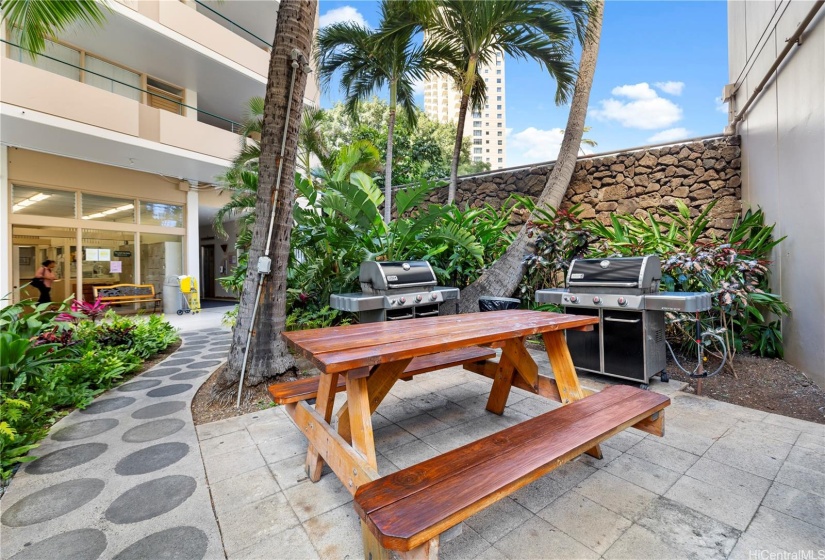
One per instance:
(732,509)
(274,450)
(292,544)
(496,521)
(392,436)
(608,454)
(219,428)
(624,440)
(309,499)
(637,543)
(794,424)
(231,493)
(422,425)
(729,478)
(643,473)
(759,456)
(447,440)
(226,443)
(289,472)
(539,494)
(701,424)
(467,546)
(685,439)
(454,414)
(274,428)
(812,441)
(765,430)
(616,494)
(663,455)
(463,391)
(801,478)
(227,465)
(571,474)
(586,521)
(538,539)
(336,534)
(808,458)
(692,534)
(254,522)
(532,406)
(773,531)
(804,506)
(410,454)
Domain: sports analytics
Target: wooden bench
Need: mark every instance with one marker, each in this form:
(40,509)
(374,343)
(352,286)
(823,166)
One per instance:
(127,293)
(407,510)
(305,389)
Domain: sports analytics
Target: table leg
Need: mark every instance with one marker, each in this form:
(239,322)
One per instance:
(564,371)
(323,405)
(379,384)
(501,385)
(360,421)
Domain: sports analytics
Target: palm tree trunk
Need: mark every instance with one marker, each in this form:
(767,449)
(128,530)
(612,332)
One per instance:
(268,355)
(469,80)
(504,276)
(388,170)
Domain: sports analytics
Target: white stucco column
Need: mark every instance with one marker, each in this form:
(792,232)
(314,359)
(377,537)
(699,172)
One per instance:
(192,260)
(191,97)
(5,226)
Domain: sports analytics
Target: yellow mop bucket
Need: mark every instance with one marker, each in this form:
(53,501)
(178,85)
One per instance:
(190,298)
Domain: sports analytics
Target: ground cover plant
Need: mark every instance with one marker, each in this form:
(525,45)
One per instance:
(734,268)
(57,358)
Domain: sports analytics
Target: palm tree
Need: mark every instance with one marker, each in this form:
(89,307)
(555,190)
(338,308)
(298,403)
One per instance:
(369,62)
(268,354)
(503,277)
(525,29)
(38,20)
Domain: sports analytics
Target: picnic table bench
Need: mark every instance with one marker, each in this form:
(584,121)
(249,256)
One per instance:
(127,293)
(406,511)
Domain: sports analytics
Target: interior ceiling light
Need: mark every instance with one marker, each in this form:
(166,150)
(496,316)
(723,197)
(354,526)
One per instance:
(29,201)
(108,212)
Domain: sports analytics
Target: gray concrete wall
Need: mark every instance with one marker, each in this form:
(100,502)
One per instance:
(783,158)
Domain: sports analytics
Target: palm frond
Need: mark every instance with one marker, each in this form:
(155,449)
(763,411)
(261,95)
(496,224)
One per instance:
(38,20)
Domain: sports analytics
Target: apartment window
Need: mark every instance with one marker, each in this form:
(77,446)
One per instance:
(498,72)
(500,142)
(498,62)
(476,158)
(164,96)
(476,133)
(498,80)
(498,98)
(477,141)
(486,106)
(486,71)
(62,53)
(498,133)
(498,89)
(108,76)
(487,133)
(476,150)
(477,124)
(486,115)
(498,107)
(488,160)
(476,115)
(486,141)
(488,150)
(498,125)
(500,160)
(500,151)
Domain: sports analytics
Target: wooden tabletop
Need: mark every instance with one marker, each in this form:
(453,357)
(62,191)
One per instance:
(338,349)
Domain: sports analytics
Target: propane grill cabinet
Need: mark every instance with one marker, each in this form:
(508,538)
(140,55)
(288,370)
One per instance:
(393,291)
(629,340)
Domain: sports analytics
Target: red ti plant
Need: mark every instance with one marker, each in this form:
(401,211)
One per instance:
(91,311)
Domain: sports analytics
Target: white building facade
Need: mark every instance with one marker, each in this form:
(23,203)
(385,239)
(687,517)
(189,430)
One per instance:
(113,138)
(783,154)
(487,127)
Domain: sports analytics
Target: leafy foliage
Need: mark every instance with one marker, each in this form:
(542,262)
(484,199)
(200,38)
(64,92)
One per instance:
(734,269)
(52,360)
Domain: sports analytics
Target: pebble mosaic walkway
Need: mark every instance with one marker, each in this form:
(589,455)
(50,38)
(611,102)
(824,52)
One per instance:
(123,478)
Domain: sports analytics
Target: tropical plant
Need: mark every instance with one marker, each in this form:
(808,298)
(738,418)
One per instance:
(36,20)
(369,61)
(477,31)
(505,275)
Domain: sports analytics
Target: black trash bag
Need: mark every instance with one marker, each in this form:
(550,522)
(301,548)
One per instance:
(489,303)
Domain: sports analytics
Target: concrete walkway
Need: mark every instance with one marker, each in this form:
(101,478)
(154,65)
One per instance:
(124,477)
(131,477)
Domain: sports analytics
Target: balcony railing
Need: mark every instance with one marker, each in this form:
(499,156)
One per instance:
(233,26)
(154,97)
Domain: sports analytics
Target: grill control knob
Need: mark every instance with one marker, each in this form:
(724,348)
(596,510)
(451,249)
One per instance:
(622,301)
(419,297)
(402,301)
(574,299)
(433,297)
(597,299)
(392,302)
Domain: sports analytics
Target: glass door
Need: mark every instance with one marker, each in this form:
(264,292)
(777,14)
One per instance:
(108,258)
(31,246)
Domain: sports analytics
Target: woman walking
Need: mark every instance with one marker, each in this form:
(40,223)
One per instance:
(43,280)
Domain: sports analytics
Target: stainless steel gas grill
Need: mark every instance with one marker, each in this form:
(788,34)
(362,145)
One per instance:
(395,290)
(629,341)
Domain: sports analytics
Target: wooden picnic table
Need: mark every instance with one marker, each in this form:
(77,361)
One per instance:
(373,356)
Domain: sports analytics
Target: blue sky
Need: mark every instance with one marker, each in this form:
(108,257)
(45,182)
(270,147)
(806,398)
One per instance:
(660,73)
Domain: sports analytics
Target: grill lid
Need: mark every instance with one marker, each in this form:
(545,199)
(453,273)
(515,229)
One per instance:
(640,273)
(387,275)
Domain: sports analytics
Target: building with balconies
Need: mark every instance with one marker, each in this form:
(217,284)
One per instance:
(112,140)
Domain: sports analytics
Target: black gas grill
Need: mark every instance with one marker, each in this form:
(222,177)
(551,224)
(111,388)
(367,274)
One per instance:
(395,290)
(629,340)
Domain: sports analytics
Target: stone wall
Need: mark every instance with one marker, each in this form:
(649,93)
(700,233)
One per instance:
(629,182)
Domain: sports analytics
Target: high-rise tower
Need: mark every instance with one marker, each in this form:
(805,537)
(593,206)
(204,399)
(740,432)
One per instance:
(486,127)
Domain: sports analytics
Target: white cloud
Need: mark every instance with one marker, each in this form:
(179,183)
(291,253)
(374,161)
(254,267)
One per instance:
(418,87)
(533,145)
(645,110)
(669,135)
(636,91)
(342,14)
(673,88)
